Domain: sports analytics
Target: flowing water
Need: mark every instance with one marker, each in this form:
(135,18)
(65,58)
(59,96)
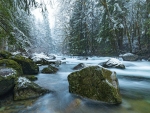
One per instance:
(134,84)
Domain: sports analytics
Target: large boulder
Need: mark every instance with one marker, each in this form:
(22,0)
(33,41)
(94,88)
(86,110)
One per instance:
(7,76)
(11,64)
(96,83)
(25,89)
(148,59)
(28,66)
(129,57)
(49,70)
(113,62)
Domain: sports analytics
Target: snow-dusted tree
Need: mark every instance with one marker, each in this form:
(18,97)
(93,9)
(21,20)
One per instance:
(41,35)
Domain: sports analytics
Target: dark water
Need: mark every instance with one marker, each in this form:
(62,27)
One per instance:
(134,84)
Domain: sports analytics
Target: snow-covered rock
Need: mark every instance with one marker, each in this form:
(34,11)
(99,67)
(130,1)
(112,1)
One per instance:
(129,57)
(39,56)
(113,62)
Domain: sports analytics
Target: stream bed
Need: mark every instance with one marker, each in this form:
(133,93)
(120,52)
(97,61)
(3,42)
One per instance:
(134,83)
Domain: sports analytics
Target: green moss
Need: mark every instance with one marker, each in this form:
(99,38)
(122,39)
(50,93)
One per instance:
(31,77)
(50,69)
(28,66)
(7,80)
(95,83)
(11,64)
(106,73)
(28,90)
(5,54)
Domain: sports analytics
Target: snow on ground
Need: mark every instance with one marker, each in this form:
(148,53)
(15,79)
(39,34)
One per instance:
(39,56)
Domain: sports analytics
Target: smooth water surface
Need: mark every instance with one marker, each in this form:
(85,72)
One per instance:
(134,84)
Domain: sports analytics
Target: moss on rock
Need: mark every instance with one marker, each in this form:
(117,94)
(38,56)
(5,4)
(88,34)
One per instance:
(11,64)
(7,76)
(25,89)
(31,77)
(50,69)
(5,54)
(28,66)
(96,83)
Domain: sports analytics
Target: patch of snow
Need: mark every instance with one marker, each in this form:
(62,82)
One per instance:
(127,54)
(5,72)
(16,53)
(22,82)
(39,56)
(121,26)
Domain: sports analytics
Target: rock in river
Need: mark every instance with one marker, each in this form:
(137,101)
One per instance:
(113,62)
(96,83)
(49,70)
(129,57)
(25,89)
(28,66)
(80,66)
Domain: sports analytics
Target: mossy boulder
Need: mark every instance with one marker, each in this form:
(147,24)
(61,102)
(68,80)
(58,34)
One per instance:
(28,66)
(49,70)
(113,63)
(96,83)
(11,64)
(25,89)
(5,54)
(7,76)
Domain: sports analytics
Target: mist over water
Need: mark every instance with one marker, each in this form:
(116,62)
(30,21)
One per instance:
(134,84)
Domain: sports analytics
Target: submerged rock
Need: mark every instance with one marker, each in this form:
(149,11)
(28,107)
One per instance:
(79,66)
(11,64)
(113,62)
(49,70)
(129,57)
(96,83)
(25,89)
(7,76)
(28,66)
